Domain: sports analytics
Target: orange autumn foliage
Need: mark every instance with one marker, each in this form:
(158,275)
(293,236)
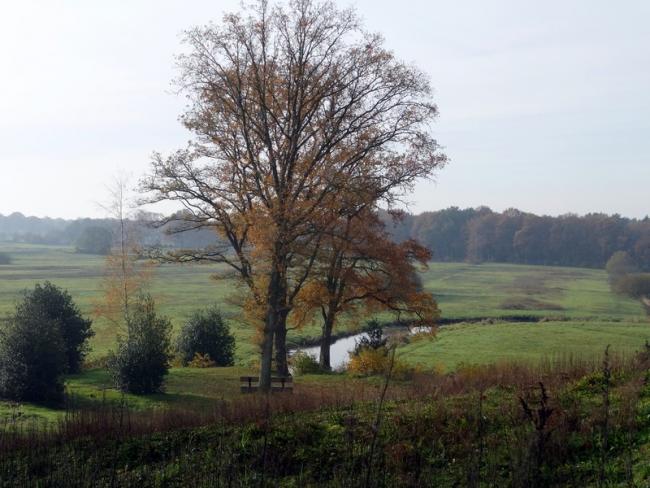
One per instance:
(300,118)
(360,271)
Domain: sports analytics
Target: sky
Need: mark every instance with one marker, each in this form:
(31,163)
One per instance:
(544,106)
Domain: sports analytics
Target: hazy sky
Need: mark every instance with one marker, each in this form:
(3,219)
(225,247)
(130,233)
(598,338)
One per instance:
(544,105)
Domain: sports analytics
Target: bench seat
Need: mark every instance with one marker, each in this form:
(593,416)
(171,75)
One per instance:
(279,384)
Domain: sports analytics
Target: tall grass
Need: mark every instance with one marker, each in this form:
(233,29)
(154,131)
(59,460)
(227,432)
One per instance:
(501,425)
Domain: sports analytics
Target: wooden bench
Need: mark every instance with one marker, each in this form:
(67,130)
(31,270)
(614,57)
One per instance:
(250,384)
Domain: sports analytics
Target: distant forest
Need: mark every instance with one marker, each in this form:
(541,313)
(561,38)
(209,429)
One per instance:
(481,235)
(34,230)
(453,234)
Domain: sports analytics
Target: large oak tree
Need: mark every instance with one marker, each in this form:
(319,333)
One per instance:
(300,118)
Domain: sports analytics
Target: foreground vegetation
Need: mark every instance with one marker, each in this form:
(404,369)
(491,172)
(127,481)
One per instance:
(560,423)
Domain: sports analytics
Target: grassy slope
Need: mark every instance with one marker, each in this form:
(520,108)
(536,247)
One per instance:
(185,389)
(488,343)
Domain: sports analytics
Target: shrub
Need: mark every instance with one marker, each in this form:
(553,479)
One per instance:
(372,362)
(369,362)
(201,361)
(374,340)
(206,333)
(303,363)
(57,305)
(32,357)
(141,360)
(620,264)
(634,285)
(5,258)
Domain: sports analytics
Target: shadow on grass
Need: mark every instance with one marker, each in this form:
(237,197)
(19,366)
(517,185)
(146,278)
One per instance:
(184,388)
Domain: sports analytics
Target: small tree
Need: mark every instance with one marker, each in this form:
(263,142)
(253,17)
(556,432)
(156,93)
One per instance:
(57,305)
(206,333)
(32,356)
(95,240)
(142,358)
(360,271)
(126,275)
(619,265)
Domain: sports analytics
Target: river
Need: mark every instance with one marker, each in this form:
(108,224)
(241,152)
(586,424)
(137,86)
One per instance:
(340,349)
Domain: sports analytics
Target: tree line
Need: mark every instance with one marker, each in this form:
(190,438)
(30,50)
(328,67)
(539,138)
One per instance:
(452,234)
(96,236)
(482,235)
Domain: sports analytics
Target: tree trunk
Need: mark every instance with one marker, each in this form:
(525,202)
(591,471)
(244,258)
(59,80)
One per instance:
(274,324)
(326,342)
(266,359)
(273,299)
(281,362)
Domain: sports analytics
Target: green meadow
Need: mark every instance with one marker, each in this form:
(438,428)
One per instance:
(482,343)
(564,312)
(581,314)
(468,291)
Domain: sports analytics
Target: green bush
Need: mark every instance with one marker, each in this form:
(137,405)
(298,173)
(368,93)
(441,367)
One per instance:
(32,357)
(141,361)
(635,285)
(5,258)
(56,304)
(303,363)
(206,333)
(45,338)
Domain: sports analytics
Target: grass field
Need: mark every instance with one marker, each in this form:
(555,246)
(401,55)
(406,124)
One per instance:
(178,289)
(590,315)
(584,315)
(496,290)
(582,318)
(476,343)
